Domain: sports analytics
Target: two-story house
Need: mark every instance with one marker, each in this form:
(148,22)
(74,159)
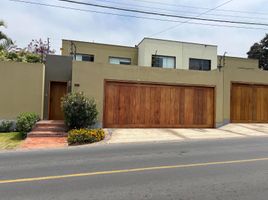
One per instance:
(158,83)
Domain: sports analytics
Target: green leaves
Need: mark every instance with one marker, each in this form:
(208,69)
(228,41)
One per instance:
(5,41)
(79,111)
(260,51)
(6,126)
(26,121)
(20,56)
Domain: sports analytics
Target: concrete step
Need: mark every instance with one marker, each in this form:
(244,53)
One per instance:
(47,134)
(50,122)
(50,125)
(46,123)
(50,128)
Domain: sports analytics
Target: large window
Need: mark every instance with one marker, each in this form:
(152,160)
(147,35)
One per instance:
(163,61)
(84,57)
(199,64)
(119,61)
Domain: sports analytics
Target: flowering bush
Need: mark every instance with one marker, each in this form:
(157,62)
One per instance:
(85,136)
(34,53)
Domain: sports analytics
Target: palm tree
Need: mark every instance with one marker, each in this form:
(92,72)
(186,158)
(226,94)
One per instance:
(5,41)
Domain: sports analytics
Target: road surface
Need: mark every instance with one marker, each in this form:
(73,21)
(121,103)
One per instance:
(203,170)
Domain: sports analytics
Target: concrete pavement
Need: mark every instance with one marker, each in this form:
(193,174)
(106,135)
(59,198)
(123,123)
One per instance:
(169,134)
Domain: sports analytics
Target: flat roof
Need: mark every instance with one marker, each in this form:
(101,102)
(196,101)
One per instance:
(97,43)
(164,40)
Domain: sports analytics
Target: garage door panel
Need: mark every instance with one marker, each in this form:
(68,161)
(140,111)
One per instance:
(209,107)
(199,104)
(181,102)
(249,103)
(150,105)
(261,104)
(147,114)
(189,106)
(173,113)
(110,95)
(241,102)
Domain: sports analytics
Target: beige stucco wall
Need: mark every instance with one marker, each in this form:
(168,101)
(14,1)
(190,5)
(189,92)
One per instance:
(91,76)
(240,70)
(101,52)
(181,50)
(21,89)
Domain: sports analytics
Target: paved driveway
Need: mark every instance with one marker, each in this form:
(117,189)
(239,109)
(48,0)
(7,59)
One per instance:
(167,134)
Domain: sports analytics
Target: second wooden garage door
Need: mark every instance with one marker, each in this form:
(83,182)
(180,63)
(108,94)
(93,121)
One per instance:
(249,103)
(154,105)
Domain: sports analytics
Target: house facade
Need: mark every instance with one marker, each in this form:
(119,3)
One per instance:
(176,55)
(157,83)
(149,52)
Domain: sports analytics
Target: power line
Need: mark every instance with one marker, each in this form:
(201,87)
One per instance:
(200,8)
(134,16)
(173,27)
(176,11)
(163,14)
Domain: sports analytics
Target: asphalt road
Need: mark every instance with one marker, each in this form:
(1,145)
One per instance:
(203,170)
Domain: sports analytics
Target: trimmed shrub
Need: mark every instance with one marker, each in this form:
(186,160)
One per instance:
(26,121)
(33,58)
(85,136)
(79,111)
(6,126)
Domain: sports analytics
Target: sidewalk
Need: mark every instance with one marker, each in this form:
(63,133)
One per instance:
(44,143)
(169,134)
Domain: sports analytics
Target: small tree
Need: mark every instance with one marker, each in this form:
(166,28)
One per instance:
(79,111)
(39,47)
(5,41)
(260,51)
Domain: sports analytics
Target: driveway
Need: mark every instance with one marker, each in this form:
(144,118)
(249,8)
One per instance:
(168,134)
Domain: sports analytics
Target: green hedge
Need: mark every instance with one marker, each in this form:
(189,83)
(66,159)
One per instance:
(21,56)
(85,136)
(6,126)
(26,121)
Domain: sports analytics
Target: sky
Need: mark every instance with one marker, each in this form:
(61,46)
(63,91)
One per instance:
(26,22)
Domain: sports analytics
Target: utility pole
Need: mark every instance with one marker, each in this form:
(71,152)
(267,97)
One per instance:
(73,50)
(48,45)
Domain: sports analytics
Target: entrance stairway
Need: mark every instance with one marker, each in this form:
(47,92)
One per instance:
(49,128)
(46,134)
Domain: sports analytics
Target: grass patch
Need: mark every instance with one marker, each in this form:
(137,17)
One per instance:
(10,140)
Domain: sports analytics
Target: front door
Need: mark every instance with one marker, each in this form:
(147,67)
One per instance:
(57,91)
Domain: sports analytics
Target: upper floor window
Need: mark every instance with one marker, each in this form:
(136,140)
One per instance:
(199,64)
(163,61)
(119,61)
(84,57)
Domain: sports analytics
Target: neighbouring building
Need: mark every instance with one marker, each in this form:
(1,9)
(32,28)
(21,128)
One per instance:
(158,83)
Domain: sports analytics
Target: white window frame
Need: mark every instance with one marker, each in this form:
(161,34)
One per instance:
(79,57)
(119,60)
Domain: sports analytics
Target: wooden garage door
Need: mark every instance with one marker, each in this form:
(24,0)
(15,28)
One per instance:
(153,105)
(249,103)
